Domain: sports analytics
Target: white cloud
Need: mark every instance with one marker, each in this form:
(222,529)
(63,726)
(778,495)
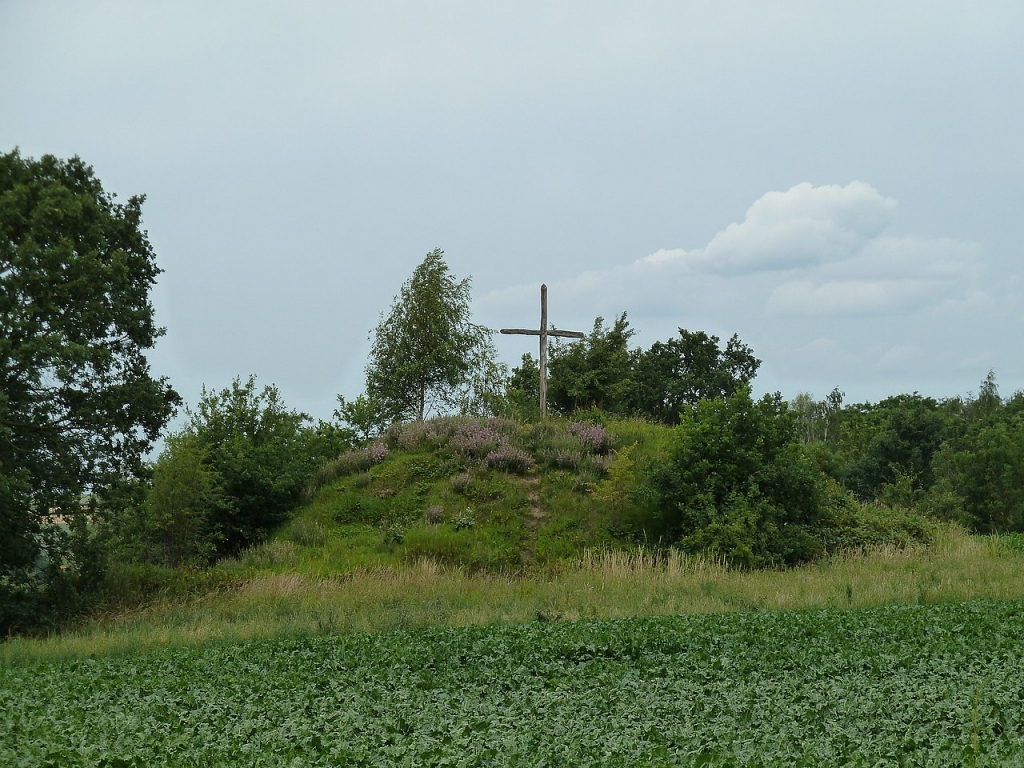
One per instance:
(801,227)
(806,252)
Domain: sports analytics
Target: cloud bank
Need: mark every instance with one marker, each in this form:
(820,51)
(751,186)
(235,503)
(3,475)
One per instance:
(813,275)
(809,251)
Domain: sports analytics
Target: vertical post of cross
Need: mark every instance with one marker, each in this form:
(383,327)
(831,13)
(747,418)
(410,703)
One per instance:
(543,357)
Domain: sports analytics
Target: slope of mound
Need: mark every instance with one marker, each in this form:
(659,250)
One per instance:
(490,495)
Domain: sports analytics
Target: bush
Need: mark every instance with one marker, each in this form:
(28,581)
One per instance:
(737,484)
(509,459)
(855,526)
(348,463)
(263,454)
(593,437)
(475,440)
(176,521)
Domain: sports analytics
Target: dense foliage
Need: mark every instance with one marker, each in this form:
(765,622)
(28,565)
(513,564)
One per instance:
(233,473)
(601,372)
(738,483)
(958,459)
(78,406)
(593,373)
(906,685)
(680,372)
(980,473)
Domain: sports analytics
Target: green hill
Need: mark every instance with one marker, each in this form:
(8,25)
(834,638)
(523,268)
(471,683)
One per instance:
(501,496)
(490,495)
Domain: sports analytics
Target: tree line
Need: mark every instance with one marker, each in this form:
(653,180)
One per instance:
(758,481)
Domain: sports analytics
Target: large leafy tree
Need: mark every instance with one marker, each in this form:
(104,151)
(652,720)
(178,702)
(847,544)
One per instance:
(78,406)
(980,477)
(602,372)
(427,352)
(891,441)
(979,470)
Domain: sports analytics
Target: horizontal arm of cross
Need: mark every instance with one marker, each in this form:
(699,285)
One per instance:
(529,332)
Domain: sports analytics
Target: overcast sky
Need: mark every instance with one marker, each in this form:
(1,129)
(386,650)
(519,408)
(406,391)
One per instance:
(840,184)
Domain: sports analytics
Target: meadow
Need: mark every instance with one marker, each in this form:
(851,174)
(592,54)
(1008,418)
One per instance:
(954,567)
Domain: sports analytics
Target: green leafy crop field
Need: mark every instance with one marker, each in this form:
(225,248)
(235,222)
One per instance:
(899,685)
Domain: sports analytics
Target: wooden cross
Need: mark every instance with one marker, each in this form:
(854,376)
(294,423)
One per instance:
(544,333)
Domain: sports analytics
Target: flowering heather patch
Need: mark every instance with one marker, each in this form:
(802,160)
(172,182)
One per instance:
(594,437)
(503,425)
(348,463)
(416,434)
(376,452)
(477,440)
(360,459)
(392,434)
(433,515)
(562,458)
(510,459)
(433,433)
(447,427)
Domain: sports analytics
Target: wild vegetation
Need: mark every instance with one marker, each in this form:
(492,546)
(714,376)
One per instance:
(282,590)
(438,499)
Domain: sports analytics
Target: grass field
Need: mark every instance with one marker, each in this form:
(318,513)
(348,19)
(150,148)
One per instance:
(900,685)
(618,584)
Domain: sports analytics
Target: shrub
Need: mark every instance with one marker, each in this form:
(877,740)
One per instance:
(433,515)
(348,463)
(509,459)
(465,520)
(856,526)
(599,465)
(981,478)
(737,483)
(593,437)
(263,455)
(175,526)
(418,434)
(461,482)
(564,458)
(502,425)
(476,440)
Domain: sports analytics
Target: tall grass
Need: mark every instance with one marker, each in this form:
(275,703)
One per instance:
(611,584)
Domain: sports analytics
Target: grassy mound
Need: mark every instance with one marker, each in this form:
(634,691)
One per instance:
(500,496)
(489,495)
